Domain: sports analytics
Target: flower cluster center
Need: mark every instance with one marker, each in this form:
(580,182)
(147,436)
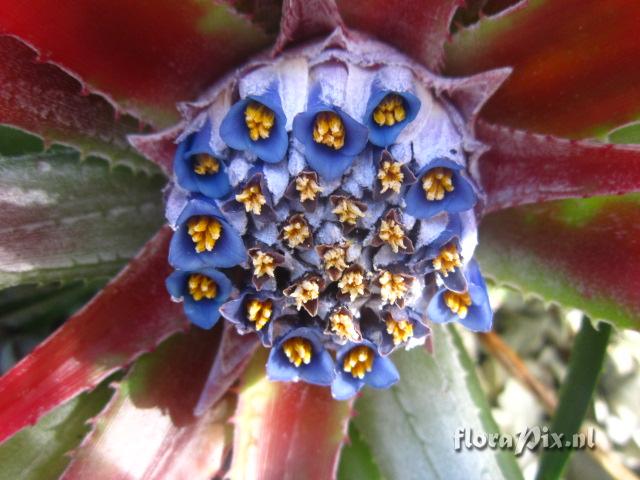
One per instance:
(390,176)
(305,292)
(436,182)
(296,233)
(263,264)
(458,303)
(392,233)
(259,120)
(335,258)
(348,212)
(201,286)
(252,199)
(259,312)
(342,325)
(205,232)
(447,260)
(352,284)
(205,164)
(392,287)
(328,130)
(307,187)
(390,111)
(359,361)
(297,350)
(401,330)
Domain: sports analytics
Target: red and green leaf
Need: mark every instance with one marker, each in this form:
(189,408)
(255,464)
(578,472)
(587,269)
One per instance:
(145,56)
(148,430)
(419,28)
(574,73)
(304,19)
(286,430)
(129,317)
(522,168)
(583,254)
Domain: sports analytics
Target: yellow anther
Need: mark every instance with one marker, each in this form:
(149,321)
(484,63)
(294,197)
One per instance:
(447,260)
(335,258)
(348,211)
(359,361)
(205,164)
(392,287)
(305,291)
(307,187)
(298,350)
(263,264)
(390,176)
(252,199)
(436,182)
(328,130)
(352,284)
(458,303)
(296,233)
(259,312)
(205,232)
(342,325)
(402,330)
(201,286)
(392,233)
(259,120)
(390,111)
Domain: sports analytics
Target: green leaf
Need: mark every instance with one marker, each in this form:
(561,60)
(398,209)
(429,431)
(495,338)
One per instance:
(63,219)
(40,451)
(411,427)
(587,357)
(18,142)
(356,459)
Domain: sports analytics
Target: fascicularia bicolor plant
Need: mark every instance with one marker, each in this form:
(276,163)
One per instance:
(323,200)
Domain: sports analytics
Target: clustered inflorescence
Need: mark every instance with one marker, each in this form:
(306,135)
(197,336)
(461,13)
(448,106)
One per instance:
(322,201)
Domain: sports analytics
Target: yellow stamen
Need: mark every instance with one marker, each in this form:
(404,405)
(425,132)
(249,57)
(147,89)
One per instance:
(296,233)
(307,187)
(447,260)
(359,361)
(436,182)
(390,110)
(252,198)
(259,312)
(298,350)
(392,287)
(352,284)
(348,212)
(458,303)
(205,232)
(328,130)
(335,258)
(305,291)
(392,233)
(263,264)
(402,330)
(201,286)
(390,176)
(259,120)
(342,325)
(205,164)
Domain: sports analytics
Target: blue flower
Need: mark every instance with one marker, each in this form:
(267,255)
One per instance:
(387,113)
(440,187)
(203,291)
(253,312)
(204,238)
(396,327)
(299,355)
(257,123)
(331,138)
(471,308)
(358,365)
(198,168)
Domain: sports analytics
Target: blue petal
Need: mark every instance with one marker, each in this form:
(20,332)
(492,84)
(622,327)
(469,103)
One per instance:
(233,129)
(356,135)
(176,282)
(437,310)
(344,386)
(480,316)
(279,368)
(183,169)
(384,136)
(383,373)
(462,198)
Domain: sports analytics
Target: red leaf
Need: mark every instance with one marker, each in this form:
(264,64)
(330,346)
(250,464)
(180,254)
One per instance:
(148,429)
(417,27)
(525,168)
(286,430)
(145,55)
(129,317)
(159,147)
(583,254)
(43,99)
(575,72)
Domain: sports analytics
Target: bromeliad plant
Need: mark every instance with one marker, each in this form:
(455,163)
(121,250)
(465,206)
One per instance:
(323,199)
